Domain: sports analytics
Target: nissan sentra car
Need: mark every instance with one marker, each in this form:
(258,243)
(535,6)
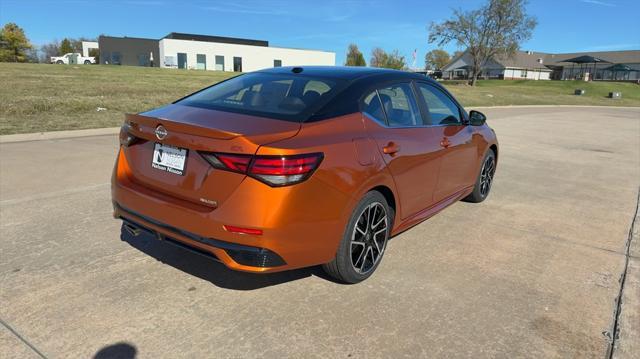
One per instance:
(301,166)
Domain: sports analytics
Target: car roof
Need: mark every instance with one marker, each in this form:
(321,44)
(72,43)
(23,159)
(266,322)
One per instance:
(358,81)
(348,73)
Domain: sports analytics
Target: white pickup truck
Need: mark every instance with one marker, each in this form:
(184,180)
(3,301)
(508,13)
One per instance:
(73,58)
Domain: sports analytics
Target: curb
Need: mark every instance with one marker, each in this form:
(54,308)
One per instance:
(54,135)
(551,106)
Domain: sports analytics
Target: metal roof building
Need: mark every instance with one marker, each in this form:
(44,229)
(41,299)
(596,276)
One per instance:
(545,66)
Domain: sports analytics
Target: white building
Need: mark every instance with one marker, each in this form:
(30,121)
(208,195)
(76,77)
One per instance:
(87,46)
(202,52)
(529,65)
(522,66)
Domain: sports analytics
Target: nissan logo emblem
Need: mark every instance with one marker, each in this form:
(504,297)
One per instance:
(161,132)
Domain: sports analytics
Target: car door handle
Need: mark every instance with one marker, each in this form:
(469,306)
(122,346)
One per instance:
(445,142)
(391,148)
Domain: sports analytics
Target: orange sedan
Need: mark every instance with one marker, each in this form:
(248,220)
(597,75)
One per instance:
(294,167)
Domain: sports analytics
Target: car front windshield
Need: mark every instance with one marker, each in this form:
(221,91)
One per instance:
(291,97)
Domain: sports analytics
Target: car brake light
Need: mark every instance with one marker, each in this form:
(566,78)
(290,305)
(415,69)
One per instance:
(272,170)
(284,170)
(237,163)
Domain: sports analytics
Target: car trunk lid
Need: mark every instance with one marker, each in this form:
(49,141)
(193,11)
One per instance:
(197,130)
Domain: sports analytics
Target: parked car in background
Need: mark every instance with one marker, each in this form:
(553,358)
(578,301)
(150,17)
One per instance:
(436,75)
(294,167)
(73,58)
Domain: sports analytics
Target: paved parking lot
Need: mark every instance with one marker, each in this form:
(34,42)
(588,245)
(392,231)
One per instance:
(533,271)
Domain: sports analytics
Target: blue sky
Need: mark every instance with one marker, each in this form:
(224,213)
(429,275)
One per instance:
(563,25)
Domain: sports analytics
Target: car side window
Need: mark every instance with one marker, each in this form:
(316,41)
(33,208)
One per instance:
(442,109)
(373,107)
(400,106)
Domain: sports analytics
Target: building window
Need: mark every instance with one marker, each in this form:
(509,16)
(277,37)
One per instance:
(237,64)
(219,63)
(277,63)
(523,73)
(115,58)
(182,60)
(201,62)
(170,61)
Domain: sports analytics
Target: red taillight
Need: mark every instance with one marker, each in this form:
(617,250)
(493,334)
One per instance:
(241,230)
(284,170)
(283,165)
(236,163)
(273,170)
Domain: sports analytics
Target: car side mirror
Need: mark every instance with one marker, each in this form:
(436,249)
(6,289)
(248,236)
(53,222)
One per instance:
(477,118)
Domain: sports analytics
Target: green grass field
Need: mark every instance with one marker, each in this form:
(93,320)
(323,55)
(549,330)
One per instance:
(43,97)
(528,92)
(39,97)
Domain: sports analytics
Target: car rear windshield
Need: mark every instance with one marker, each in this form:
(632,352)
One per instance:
(292,97)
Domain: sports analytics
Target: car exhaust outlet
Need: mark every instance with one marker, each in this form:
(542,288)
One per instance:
(131,229)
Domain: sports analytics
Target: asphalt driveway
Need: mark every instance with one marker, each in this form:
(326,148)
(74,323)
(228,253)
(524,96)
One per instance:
(533,271)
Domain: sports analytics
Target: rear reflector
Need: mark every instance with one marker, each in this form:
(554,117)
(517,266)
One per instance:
(240,230)
(272,170)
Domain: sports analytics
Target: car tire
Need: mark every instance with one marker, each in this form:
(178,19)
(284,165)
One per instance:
(484,181)
(59,62)
(87,62)
(364,240)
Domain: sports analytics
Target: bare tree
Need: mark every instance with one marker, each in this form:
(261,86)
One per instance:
(49,50)
(496,29)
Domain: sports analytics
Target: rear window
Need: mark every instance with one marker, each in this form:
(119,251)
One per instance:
(291,97)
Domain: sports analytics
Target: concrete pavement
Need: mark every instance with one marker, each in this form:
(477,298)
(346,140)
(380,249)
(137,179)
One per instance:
(532,272)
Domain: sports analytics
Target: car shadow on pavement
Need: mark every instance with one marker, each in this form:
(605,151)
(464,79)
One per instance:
(210,270)
(117,351)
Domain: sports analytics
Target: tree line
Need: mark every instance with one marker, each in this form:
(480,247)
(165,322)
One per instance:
(16,47)
(497,28)
(434,60)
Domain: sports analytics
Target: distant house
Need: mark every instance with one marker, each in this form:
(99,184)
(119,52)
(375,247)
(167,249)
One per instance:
(530,65)
(523,65)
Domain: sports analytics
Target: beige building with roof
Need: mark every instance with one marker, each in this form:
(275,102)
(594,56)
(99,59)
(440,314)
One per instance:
(532,65)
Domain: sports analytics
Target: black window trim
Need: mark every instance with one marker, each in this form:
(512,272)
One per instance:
(385,120)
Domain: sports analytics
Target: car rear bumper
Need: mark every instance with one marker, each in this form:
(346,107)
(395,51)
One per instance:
(301,225)
(248,256)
